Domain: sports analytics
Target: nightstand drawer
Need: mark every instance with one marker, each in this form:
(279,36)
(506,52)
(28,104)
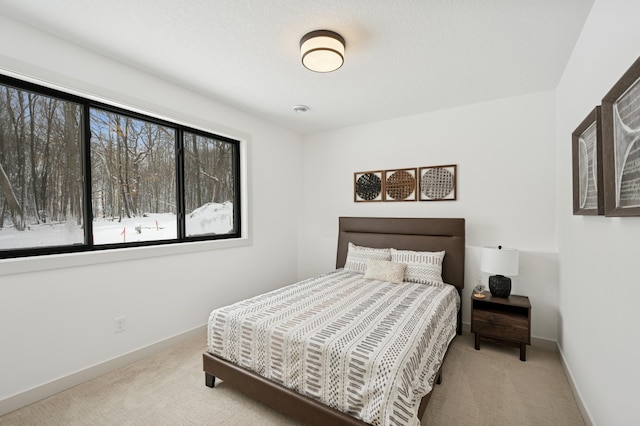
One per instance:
(501,325)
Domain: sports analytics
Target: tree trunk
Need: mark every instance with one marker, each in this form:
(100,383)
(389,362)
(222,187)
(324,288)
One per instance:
(11,198)
(17,124)
(33,158)
(196,172)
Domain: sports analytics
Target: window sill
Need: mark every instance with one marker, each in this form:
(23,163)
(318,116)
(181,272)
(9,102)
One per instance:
(70,260)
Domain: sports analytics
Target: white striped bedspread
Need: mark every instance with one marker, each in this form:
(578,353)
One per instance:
(365,347)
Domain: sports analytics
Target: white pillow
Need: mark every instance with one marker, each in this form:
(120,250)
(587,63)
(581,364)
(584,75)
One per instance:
(385,270)
(423,267)
(357,257)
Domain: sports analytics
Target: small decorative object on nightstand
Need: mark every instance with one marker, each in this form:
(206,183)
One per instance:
(505,320)
(500,261)
(478,291)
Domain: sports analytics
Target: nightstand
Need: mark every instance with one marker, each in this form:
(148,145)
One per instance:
(504,320)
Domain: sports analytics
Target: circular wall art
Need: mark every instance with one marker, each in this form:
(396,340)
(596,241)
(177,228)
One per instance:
(368,186)
(400,185)
(438,183)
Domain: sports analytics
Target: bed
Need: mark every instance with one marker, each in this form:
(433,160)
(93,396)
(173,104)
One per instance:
(417,234)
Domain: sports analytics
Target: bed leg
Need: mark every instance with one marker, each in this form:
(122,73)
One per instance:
(209,380)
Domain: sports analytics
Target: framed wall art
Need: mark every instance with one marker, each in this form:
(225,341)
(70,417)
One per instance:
(437,183)
(368,186)
(400,185)
(621,145)
(586,151)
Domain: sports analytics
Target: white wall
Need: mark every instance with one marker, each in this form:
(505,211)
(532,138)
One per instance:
(54,322)
(598,255)
(505,155)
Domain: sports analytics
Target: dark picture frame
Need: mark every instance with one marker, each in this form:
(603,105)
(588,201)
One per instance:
(621,145)
(586,152)
(438,183)
(368,186)
(401,184)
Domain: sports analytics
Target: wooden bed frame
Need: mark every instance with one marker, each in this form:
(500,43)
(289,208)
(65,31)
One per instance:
(420,234)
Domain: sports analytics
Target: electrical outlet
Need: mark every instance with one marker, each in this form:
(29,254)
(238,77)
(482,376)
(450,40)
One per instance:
(119,324)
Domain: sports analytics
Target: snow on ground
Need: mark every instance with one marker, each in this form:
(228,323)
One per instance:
(152,227)
(212,218)
(43,235)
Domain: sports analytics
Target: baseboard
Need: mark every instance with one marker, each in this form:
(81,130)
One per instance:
(586,414)
(30,396)
(547,344)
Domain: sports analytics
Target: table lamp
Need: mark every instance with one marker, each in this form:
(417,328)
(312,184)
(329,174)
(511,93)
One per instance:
(499,261)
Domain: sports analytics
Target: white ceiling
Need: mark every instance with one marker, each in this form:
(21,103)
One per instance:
(403,57)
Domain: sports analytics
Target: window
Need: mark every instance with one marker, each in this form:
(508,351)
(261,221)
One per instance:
(77,175)
(209,178)
(41,202)
(133,179)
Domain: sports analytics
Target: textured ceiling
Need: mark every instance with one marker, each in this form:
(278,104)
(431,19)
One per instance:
(403,57)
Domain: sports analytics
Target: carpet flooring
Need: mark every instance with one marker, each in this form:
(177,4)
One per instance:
(487,387)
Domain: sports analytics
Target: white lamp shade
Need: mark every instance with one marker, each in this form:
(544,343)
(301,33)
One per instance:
(322,51)
(500,261)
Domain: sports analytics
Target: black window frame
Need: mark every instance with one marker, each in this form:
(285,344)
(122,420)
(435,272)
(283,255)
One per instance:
(180,129)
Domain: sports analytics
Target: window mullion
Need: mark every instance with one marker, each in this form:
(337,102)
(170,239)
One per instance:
(86,171)
(180,185)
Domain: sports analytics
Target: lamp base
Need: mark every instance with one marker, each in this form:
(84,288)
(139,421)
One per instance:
(500,286)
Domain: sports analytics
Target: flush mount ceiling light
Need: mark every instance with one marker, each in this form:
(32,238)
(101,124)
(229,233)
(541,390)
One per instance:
(322,51)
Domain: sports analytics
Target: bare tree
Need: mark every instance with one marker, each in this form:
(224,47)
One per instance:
(9,195)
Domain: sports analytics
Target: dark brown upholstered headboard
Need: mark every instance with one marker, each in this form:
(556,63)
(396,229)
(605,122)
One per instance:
(420,234)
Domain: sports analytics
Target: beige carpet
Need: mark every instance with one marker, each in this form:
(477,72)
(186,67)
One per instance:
(487,387)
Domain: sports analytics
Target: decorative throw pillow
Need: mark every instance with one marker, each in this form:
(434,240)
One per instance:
(423,267)
(385,270)
(357,257)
